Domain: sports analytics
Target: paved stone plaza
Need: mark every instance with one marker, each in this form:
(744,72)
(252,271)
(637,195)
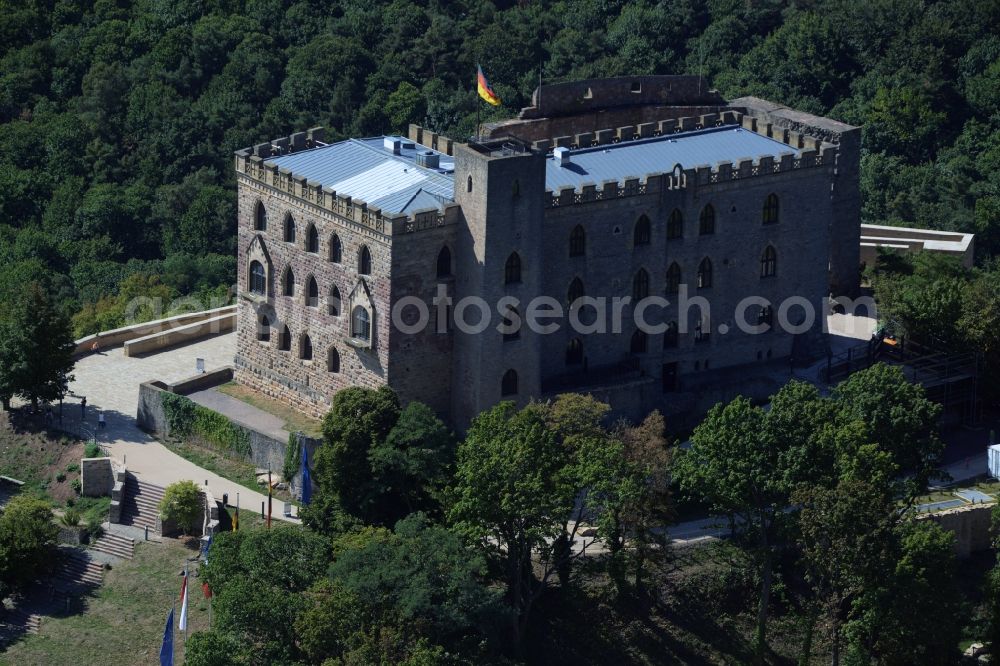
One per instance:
(110,382)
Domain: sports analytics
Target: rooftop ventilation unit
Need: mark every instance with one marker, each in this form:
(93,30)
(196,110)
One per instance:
(391,144)
(428,159)
(562,155)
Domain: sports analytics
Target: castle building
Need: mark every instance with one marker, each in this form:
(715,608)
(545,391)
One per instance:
(695,217)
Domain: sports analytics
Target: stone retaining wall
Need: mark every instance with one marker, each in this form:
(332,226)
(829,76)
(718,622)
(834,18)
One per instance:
(970,525)
(97,477)
(265,451)
(119,336)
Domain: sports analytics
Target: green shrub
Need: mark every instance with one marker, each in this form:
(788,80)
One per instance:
(60,477)
(92,450)
(71,518)
(293,457)
(76,485)
(181,504)
(72,467)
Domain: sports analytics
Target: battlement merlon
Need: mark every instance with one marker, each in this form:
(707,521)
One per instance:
(253,165)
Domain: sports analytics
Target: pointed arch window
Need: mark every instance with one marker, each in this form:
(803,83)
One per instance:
(333,301)
(336,249)
(675,225)
(670,338)
(511,324)
(508,385)
(312,239)
(364,261)
(577,241)
(285,339)
(638,343)
(575,291)
(305,348)
(640,285)
(574,352)
(288,282)
(673,278)
(705,273)
(768,262)
(642,233)
(770,212)
(444,262)
(289,230)
(468,184)
(312,292)
(260,217)
(706,223)
(512,269)
(258,278)
(361,325)
(264,328)
(333,360)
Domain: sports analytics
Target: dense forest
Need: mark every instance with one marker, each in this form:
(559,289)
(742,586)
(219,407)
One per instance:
(118,119)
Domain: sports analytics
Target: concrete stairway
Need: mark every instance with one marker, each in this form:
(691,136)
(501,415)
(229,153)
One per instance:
(115,544)
(141,504)
(77,575)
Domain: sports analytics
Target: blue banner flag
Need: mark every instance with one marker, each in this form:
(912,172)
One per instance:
(306,480)
(167,649)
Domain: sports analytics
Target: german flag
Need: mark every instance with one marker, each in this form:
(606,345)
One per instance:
(483,86)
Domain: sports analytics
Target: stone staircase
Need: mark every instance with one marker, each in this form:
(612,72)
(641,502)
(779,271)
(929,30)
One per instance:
(141,503)
(75,576)
(115,544)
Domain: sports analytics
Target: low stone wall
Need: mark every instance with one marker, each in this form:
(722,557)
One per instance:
(264,450)
(121,335)
(970,525)
(97,477)
(181,335)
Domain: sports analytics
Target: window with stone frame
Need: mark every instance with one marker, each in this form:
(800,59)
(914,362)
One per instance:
(511,324)
(364,261)
(512,269)
(675,225)
(577,241)
(288,282)
(673,278)
(768,262)
(640,286)
(289,230)
(312,292)
(336,249)
(508,385)
(260,217)
(444,263)
(574,352)
(305,348)
(706,222)
(642,235)
(312,239)
(333,360)
(361,325)
(702,330)
(258,278)
(264,328)
(705,273)
(575,291)
(285,339)
(670,336)
(770,212)
(333,301)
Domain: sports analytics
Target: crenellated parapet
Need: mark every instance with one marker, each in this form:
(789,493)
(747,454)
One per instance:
(253,164)
(812,153)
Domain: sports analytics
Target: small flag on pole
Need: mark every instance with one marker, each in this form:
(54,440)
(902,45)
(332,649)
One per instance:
(206,590)
(167,648)
(183,623)
(485,91)
(306,479)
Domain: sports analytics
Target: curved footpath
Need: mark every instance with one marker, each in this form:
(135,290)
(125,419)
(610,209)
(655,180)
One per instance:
(110,382)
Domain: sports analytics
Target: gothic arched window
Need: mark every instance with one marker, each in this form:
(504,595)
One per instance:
(312,239)
(574,352)
(333,360)
(361,325)
(305,348)
(512,269)
(364,261)
(640,285)
(706,223)
(770,212)
(288,282)
(705,273)
(642,234)
(289,231)
(768,262)
(638,343)
(508,385)
(258,278)
(675,225)
(264,328)
(312,292)
(673,278)
(444,262)
(333,301)
(260,217)
(336,249)
(577,242)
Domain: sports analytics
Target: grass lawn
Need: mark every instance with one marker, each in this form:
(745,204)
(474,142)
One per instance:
(122,624)
(294,421)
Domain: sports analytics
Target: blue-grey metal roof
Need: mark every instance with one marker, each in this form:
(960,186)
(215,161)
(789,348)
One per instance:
(636,159)
(366,170)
